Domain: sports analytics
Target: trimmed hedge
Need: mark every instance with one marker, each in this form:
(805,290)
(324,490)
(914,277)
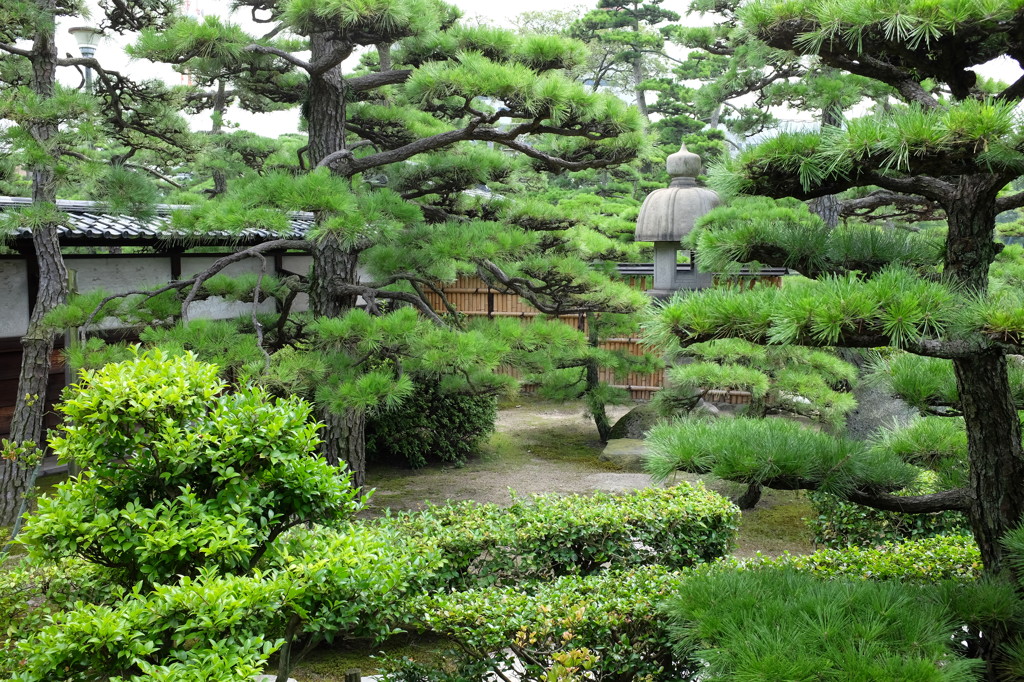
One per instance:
(608,623)
(431,425)
(551,535)
(612,620)
(928,560)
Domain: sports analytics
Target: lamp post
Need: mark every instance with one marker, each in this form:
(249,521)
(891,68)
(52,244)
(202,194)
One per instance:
(88,39)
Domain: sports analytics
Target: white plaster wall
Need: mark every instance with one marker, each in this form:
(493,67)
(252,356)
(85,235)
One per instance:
(300,265)
(117,275)
(13,297)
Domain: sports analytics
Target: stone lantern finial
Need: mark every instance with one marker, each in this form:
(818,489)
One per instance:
(683,164)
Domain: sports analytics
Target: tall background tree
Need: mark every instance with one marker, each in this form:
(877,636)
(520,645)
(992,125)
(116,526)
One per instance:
(52,128)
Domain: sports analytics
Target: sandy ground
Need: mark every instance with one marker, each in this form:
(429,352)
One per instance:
(543,447)
(537,447)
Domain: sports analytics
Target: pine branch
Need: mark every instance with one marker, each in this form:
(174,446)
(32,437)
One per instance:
(368,292)
(865,207)
(21,52)
(377,79)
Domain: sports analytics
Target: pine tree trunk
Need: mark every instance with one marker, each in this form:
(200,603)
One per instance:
(344,433)
(345,441)
(993,428)
(641,94)
(37,344)
(597,408)
(827,207)
(220,101)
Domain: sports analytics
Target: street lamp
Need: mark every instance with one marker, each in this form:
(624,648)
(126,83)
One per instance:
(88,38)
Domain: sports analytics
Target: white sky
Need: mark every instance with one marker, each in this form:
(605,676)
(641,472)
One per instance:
(111,52)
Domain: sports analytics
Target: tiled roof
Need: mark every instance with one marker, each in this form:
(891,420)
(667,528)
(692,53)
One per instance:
(89,222)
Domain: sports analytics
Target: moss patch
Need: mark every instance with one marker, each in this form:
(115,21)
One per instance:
(330,663)
(776,525)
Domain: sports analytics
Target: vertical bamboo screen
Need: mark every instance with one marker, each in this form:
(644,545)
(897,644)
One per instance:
(471,296)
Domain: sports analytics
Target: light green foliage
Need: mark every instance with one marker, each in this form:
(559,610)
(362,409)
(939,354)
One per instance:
(176,477)
(892,140)
(206,628)
(939,448)
(771,451)
(551,535)
(696,378)
(915,23)
(929,384)
(924,561)
(613,615)
(778,624)
(894,307)
(791,379)
(783,232)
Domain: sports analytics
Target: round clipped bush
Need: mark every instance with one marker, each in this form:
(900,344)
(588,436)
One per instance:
(431,425)
(180,475)
(552,535)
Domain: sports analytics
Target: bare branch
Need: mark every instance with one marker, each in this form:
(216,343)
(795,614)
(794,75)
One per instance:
(287,56)
(377,79)
(21,52)
(372,292)
(255,319)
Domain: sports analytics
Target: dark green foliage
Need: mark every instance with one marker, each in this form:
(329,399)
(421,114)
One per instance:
(431,425)
(773,624)
(552,535)
(839,523)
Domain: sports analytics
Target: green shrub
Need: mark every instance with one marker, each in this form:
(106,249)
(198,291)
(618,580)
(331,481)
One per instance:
(778,624)
(928,560)
(317,585)
(431,425)
(207,628)
(180,475)
(552,535)
(608,623)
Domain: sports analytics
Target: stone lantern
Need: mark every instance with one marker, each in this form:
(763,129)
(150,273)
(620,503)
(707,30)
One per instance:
(668,215)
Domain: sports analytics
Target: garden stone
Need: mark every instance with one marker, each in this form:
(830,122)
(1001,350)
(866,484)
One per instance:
(876,409)
(635,423)
(705,409)
(627,454)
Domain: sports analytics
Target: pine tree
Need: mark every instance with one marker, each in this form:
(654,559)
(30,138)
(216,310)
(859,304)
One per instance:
(954,139)
(625,42)
(392,144)
(51,122)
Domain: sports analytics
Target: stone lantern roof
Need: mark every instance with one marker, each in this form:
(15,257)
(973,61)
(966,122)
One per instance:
(668,215)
